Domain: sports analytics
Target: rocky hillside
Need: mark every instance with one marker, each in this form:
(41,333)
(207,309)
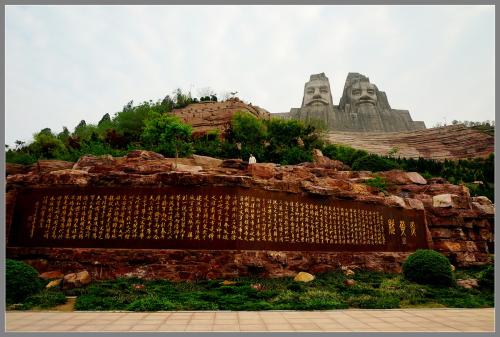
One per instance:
(449,142)
(206,116)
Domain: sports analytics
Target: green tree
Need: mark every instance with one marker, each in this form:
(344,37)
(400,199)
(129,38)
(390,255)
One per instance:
(46,145)
(168,135)
(250,132)
(131,121)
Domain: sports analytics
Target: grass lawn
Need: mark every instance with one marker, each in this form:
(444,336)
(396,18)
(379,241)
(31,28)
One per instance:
(372,290)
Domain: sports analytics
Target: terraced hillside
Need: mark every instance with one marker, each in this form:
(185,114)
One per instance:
(449,142)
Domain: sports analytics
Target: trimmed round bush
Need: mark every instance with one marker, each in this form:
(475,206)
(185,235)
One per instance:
(427,266)
(21,281)
(487,278)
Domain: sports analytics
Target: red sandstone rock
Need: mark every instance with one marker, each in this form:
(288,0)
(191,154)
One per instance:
(467,283)
(262,170)
(235,164)
(66,177)
(402,177)
(54,283)
(416,178)
(11,169)
(349,282)
(415,203)
(144,155)
(76,280)
(395,201)
(51,275)
(448,246)
(320,160)
(46,166)
(187,168)
(96,164)
(484,209)
(442,200)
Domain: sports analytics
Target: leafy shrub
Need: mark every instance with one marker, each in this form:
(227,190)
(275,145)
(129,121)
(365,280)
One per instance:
(345,154)
(168,135)
(295,155)
(373,302)
(374,163)
(151,303)
(487,278)
(427,266)
(377,182)
(47,298)
(21,281)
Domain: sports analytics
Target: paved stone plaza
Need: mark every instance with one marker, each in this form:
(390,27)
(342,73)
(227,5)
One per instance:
(407,320)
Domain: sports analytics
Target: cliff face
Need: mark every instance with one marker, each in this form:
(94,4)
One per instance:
(456,224)
(450,142)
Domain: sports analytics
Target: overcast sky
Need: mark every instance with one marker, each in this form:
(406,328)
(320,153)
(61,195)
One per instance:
(68,63)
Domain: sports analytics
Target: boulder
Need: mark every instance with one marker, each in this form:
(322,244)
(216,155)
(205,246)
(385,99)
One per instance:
(320,160)
(401,177)
(144,155)
(76,280)
(139,287)
(206,162)
(483,207)
(263,171)
(303,277)
(349,282)
(96,164)
(394,200)
(415,203)
(257,286)
(46,166)
(48,275)
(416,178)
(140,166)
(346,271)
(442,200)
(467,283)
(188,168)
(54,283)
(227,283)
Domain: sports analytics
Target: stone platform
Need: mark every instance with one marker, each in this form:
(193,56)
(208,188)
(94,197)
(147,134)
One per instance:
(351,320)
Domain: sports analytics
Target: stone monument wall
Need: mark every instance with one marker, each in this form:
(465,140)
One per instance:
(229,219)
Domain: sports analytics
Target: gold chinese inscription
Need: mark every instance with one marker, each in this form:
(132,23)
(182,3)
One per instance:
(185,216)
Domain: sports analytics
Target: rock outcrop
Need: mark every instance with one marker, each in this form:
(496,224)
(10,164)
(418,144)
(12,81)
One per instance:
(207,116)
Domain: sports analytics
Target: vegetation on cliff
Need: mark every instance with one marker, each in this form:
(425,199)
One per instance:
(150,126)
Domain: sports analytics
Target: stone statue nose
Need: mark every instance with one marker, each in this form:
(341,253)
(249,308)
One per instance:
(317,95)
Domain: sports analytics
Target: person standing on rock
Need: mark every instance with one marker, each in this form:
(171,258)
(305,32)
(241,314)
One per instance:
(252,159)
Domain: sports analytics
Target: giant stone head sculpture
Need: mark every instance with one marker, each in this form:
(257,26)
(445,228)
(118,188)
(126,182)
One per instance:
(362,93)
(317,91)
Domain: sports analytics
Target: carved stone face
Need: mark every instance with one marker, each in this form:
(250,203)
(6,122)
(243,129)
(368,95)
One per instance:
(362,93)
(317,92)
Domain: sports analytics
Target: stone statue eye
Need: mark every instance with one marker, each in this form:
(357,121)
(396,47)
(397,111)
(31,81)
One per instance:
(324,91)
(356,92)
(371,92)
